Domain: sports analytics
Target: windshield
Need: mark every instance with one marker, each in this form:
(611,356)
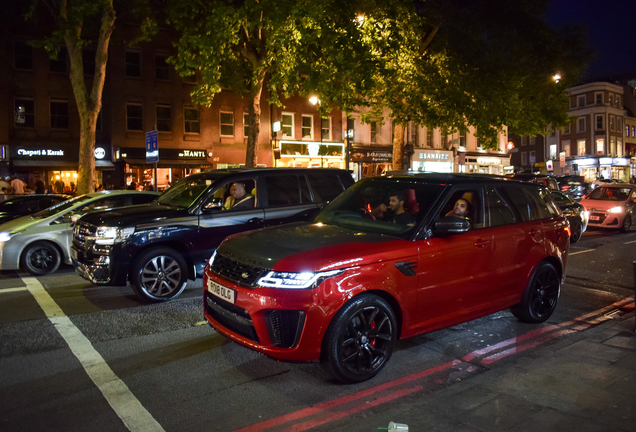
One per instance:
(382,205)
(186,191)
(64,205)
(610,194)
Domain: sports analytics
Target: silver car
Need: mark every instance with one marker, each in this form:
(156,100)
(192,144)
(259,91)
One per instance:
(39,243)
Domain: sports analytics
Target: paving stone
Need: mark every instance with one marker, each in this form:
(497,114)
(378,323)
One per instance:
(627,362)
(594,350)
(466,400)
(620,415)
(549,420)
(625,386)
(501,413)
(622,341)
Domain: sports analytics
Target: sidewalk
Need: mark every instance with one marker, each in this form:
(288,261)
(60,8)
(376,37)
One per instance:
(585,383)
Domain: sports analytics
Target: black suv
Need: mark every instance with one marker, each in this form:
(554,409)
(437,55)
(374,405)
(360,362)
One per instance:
(159,246)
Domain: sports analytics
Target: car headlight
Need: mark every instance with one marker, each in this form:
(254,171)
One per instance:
(111,235)
(288,280)
(5,236)
(618,209)
(212,258)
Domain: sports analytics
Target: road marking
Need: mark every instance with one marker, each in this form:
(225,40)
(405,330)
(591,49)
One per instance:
(124,403)
(8,290)
(630,242)
(583,251)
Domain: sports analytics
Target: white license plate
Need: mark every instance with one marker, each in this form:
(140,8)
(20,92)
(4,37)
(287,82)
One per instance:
(595,217)
(73,254)
(227,294)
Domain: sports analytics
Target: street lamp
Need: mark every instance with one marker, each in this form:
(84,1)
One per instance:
(316,102)
(556,77)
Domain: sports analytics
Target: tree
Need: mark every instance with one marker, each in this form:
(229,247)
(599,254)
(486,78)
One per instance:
(459,63)
(292,46)
(77,24)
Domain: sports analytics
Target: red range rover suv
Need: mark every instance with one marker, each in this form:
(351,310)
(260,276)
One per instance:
(390,258)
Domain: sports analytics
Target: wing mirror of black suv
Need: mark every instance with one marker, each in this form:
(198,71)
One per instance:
(213,204)
(449,225)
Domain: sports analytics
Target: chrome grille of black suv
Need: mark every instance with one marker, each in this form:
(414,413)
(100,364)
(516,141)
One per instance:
(80,232)
(239,273)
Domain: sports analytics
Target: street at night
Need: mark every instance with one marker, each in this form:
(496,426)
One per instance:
(103,361)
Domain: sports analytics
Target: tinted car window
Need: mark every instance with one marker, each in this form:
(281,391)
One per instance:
(610,194)
(562,199)
(520,201)
(287,190)
(498,211)
(325,186)
(547,207)
(143,199)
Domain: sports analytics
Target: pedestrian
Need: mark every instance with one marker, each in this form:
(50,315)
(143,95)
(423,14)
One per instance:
(632,180)
(39,187)
(4,186)
(17,185)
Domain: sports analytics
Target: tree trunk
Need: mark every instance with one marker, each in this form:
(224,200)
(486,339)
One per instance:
(398,147)
(254,123)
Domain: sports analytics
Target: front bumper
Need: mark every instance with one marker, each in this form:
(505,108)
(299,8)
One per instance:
(99,269)
(606,219)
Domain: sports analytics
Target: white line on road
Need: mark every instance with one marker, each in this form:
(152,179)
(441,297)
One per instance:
(583,251)
(634,241)
(126,405)
(8,290)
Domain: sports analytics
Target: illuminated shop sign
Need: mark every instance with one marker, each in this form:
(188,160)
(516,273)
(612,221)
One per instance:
(489,161)
(434,156)
(371,154)
(188,154)
(311,149)
(39,152)
(100,153)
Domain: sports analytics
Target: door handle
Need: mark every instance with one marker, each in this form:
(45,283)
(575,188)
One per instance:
(481,243)
(255,220)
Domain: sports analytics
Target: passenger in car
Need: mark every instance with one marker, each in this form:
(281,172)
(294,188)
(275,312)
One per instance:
(400,215)
(461,209)
(242,200)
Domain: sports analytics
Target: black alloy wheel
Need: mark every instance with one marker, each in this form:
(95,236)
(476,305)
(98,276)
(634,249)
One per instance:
(360,339)
(159,275)
(627,224)
(41,258)
(540,297)
(575,228)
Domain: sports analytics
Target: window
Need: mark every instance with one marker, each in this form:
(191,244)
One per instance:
(287,125)
(633,131)
(133,64)
(581,147)
(88,61)
(462,139)
(498,212)
(519,200)
(191,120)
(553,151)
(612,148)
(374,132)
(58,64)
(227,123)
(59,114)
(533,141)
(524,158)
(444,141)
(619,148)
(566,130)
(246,125)
(611,99)
(326,129)
(429,138)
(164,118)
(162,68)
(619,123)
(307,127)
(581,101)
(599,122)
(627,131)
(598,98)
(351,128)
(600,146)
(524,141)
(580,124)
(287,190)
(612,123)
(23,56)
(565,145)
(134,117)
(25,110)
(325,186)
(618,101)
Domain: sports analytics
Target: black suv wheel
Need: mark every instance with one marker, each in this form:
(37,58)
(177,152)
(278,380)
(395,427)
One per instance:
(159,275)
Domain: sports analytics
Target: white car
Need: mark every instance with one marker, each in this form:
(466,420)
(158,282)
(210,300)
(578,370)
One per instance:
(39,243)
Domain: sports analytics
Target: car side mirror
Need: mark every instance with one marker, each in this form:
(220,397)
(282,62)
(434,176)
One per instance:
(214,204)
(449,225)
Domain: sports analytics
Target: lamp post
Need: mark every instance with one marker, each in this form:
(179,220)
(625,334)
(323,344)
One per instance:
(316,102)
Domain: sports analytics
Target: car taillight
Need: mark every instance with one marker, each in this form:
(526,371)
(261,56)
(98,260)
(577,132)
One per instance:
(569,231)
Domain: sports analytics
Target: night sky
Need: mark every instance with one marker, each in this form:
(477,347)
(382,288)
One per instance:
(611,31)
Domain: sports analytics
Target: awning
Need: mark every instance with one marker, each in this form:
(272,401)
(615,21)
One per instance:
(58,164)
(168,163)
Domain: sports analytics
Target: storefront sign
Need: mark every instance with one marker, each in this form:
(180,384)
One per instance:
(164,153)
(311,149)
(433,156)
(489,161)
(549,166)
(39,152)
(99,153)
(192,154)
(562,159)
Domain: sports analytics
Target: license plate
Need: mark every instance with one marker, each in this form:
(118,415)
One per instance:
(73,254)
(225,293)
(595,217)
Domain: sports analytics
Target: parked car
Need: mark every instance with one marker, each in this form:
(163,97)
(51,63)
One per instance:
(160,246)
(574,212)
(573,186)
(542,179)
(611,206)
(343,288)
(24,205)
(39,243)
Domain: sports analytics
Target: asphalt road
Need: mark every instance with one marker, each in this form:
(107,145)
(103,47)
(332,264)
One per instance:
(77,357)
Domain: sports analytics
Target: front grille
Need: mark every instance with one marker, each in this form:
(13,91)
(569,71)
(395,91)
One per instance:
(600,220)
(284,327)
(231,317)
(81,231)
(239,273)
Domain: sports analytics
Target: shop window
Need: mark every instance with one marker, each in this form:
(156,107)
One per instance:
(581,147)
(307,127)
(326,129)
(227,123)
(59,114)
(25,112)
(59,63)
(599,122)
(88,61)
(164,118)
(246,125)
(162,68)
(191,120)
(429,138)
(287,125)
(580,124)
(134,117)
(581,101)
(23,56)
(374,131)
(133,64)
